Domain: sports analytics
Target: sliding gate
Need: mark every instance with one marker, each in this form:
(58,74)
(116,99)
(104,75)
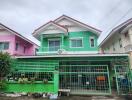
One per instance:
(85,79)
(123,79)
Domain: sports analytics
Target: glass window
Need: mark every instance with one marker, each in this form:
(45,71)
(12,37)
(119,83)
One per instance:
(54,45)
(120,43)
(92,42)
(16,46)
(4,45)
(24,50)
(113,47)
(36,50)
(76,42)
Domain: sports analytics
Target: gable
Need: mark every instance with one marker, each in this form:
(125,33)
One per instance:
(74,25)
(71,26)
(49,28)
(6,30)
(52,29)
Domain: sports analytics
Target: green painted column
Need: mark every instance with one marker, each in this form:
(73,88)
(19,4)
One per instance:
(56,81)
(41,49)
(62,41)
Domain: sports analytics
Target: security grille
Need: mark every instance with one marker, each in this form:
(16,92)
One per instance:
(123,79)
(85,79)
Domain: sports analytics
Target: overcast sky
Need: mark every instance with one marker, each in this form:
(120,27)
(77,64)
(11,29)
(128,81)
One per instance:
(24,16)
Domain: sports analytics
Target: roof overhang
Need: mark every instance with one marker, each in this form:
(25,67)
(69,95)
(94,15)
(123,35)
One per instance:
(124,25)
(17,34)
(73,55)
(44,27)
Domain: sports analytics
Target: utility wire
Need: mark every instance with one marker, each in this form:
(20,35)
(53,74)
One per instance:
(111,11)
(129,10)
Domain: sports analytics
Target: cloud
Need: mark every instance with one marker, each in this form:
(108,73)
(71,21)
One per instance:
(25,16)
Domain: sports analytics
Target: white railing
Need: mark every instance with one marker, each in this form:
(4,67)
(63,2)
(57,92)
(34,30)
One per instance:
(128,48)
(51,49)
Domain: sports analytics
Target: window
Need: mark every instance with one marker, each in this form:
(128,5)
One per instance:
(4,45)
(54,45)
(113,47)
(120,43)
(24,50)
(92,42)
(17,45)
(36,50)
(76,42)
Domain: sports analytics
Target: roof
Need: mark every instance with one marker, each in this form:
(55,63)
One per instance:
(16,33)
(73,55)
(83,24)
(71,19)
(49,23)
(122,25)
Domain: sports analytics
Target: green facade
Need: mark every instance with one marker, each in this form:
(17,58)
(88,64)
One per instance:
(71,73)
(33,76)
(66,41)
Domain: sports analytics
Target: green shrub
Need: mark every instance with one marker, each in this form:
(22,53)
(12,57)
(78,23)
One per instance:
(5,64)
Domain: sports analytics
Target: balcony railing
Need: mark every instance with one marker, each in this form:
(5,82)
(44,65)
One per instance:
(128,48)
(53,49)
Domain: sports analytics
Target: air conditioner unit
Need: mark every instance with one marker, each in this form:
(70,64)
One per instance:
(61,51)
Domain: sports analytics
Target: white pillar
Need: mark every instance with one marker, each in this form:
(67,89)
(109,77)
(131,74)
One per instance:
(130,34)
(130,59)
(130,53)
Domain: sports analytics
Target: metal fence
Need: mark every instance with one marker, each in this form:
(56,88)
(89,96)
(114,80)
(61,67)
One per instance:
(33,76)
(123,79)
(85,79)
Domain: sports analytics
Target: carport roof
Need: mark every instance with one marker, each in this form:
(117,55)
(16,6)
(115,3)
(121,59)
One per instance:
(73,55)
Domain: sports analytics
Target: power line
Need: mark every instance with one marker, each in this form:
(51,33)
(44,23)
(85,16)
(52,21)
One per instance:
(111,11)
(129,10)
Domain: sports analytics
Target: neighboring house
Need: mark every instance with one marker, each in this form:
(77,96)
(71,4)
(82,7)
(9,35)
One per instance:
(66,35)
(119,40)
(14,43)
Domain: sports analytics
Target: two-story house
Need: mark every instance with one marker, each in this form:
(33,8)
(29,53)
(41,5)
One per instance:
(119,40)
(68,60)
(14,43)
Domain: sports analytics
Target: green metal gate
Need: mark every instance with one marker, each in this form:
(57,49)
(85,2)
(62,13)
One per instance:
(85,79)
(33,76)
(123,79)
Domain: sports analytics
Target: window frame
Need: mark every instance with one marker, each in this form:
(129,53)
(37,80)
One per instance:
(91,37)
(77,38)
(24,49)
(16,46)
(113,47)
(120,43)
(55,39)
(3,45)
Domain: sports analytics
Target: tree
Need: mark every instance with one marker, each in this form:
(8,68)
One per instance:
(5,64)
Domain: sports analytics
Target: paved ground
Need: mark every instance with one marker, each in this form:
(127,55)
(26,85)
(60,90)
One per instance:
(69,98)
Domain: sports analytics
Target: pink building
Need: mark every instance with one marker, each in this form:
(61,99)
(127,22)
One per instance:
(14,43)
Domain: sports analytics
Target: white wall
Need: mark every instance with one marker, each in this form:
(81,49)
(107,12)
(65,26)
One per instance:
(108,46)
(72,27)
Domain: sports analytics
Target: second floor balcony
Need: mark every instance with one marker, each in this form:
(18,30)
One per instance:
(51,50)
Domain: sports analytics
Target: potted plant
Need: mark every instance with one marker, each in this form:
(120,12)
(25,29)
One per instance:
(45,80)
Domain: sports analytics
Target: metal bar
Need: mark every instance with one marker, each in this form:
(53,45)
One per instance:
(109,80)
